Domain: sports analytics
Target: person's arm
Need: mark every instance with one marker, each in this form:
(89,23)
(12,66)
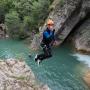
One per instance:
(53,38)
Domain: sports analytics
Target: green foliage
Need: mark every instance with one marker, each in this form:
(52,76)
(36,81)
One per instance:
(39,12)
(5,5)
(20,77)
(61,3)
(51,1)
(52,7)
(16,29)
(23,16)
(13,22)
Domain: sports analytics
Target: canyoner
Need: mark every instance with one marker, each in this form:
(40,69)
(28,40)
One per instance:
(47,42)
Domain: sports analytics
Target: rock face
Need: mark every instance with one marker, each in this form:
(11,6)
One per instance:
(82,37)
(63,18)
(87,78)
(16,75)
(67,15)
(3,31)
(62,12)
(36,42)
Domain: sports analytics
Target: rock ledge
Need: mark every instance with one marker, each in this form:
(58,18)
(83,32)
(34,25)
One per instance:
(16,75)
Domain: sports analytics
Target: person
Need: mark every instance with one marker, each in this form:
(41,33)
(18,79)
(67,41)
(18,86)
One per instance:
(47,42)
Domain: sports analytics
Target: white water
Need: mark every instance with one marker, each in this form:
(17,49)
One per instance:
(83,58)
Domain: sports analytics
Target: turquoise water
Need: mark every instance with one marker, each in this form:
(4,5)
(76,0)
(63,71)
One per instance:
(64,71)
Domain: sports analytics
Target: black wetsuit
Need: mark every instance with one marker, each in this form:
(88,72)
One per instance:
(47,42)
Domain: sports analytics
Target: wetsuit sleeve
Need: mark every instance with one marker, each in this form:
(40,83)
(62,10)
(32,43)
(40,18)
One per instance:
(46,34)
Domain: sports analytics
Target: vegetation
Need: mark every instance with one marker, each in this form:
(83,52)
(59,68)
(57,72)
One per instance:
(23,16)
(61,3)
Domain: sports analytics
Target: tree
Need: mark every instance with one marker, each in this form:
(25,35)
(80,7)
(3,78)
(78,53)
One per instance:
(39,12)
(5,5)
(23,16)
(23,7)
(13,23)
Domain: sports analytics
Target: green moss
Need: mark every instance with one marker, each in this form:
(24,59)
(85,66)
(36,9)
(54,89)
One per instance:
(51,8)
(20,77)
(61,3)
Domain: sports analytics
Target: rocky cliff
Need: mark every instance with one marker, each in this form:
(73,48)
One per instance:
(16,75)
(77,20)
(81,37)
(81,33)
(66,15)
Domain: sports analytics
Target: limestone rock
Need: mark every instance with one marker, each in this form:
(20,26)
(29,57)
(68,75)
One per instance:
(87,78)
(16,75)
(82,37)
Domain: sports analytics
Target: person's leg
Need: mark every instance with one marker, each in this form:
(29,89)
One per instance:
(47,54)
(42,55)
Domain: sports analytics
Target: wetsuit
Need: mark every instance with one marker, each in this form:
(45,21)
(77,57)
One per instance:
(47,42)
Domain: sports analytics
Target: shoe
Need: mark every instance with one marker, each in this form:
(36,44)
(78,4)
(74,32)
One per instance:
(38,61)
(36,57)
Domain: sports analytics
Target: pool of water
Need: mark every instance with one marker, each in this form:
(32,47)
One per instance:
(64,71)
